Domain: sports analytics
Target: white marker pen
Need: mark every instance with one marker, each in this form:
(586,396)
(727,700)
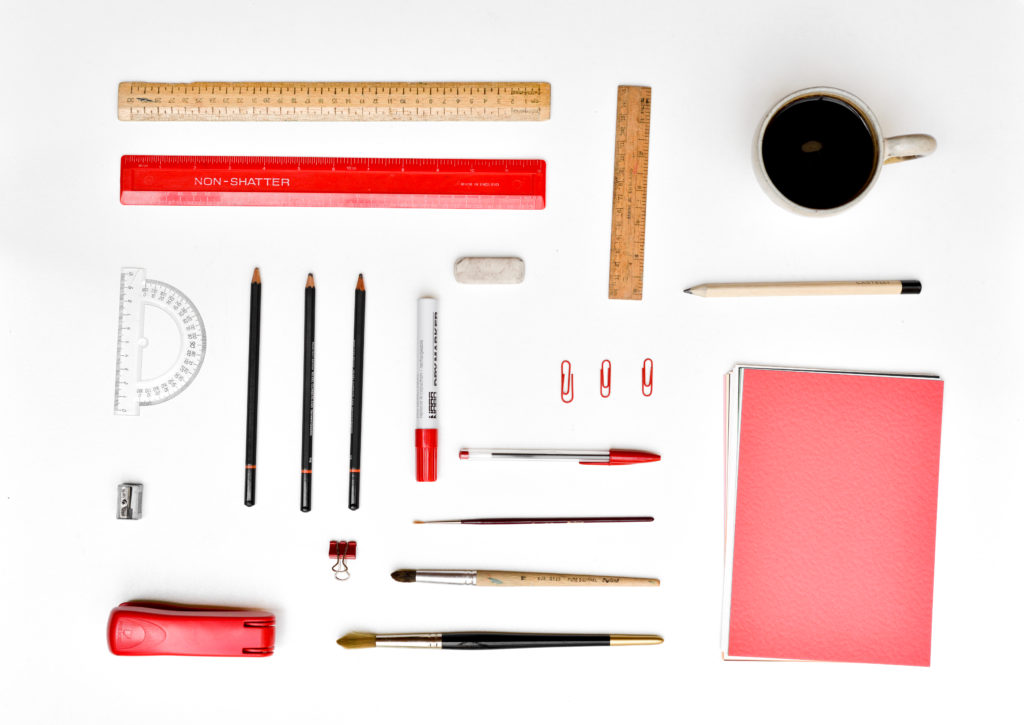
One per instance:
(426,389)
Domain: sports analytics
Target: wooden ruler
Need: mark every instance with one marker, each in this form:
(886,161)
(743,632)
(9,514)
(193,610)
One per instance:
(138,101)
(629,193)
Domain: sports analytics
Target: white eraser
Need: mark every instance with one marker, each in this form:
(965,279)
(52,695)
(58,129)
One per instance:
(490,270)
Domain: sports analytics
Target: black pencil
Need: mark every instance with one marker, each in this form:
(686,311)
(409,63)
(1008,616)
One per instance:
(355,440)
(254,385)
(306,494)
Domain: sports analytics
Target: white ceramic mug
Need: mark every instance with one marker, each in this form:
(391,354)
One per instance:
(887,150)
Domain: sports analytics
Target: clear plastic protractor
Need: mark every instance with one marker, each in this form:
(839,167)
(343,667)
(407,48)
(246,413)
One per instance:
(131,390)
(193,343)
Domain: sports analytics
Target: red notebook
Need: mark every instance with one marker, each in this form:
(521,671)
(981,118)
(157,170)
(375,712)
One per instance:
(831,495)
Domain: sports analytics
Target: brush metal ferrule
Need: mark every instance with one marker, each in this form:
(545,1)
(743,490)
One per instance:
(464,577)
(425,641)
(616,640)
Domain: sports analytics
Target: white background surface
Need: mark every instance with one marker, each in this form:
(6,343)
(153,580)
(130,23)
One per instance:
(954,221)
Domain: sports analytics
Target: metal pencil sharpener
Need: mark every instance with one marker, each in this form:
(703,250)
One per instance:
(129,501)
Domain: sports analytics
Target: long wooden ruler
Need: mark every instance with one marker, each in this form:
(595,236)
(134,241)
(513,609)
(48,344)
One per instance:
(629,193)
(209,101)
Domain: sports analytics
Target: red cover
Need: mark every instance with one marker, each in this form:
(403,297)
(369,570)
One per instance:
(834,543)
(146,627)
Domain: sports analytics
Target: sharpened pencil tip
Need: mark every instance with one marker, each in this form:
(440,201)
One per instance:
(688,290)
(256,276)
(359,284)
(309,280)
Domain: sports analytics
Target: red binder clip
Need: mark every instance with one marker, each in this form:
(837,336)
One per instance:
(606,378)
(162,628)
(339,551)
(647,378)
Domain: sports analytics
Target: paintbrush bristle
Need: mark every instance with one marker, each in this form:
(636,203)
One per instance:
(404,575)
(358,640)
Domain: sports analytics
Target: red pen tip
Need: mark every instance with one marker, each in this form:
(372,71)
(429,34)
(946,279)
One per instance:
(464,455)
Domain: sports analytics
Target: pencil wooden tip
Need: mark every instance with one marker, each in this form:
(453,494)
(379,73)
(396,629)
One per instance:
(309,280)
(359,284)
(358,640)
(256,276)
(404,575)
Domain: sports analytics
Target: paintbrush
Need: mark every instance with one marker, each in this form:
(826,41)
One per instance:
(492,640)
(559,520)
(492,578)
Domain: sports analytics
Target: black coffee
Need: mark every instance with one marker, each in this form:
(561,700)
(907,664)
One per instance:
(819,152)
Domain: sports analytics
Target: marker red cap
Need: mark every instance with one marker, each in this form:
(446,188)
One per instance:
(426,454)
(618,457)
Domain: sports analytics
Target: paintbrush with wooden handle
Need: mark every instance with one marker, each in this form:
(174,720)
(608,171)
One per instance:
(491,578)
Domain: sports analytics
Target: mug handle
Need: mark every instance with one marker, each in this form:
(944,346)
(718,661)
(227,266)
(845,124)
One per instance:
(909,147)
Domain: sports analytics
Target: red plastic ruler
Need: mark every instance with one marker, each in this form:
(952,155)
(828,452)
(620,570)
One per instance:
(295,181)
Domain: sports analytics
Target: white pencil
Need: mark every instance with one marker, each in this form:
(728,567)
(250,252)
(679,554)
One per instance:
(806,289)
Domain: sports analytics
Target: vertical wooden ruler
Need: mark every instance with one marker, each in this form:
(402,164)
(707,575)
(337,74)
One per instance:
(629,193)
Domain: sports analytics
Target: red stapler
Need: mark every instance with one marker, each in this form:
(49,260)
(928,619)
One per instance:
(162,628)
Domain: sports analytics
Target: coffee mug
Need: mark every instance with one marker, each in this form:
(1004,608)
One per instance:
(818,151)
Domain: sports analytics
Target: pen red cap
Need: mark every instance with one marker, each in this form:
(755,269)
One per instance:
(618,457)
(426,454)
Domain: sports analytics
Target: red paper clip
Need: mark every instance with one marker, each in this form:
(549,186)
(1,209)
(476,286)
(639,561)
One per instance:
(162,628)
(606,378)
(567,382)
(647,377)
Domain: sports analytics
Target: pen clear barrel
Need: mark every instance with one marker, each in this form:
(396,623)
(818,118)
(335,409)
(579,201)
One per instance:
(532,454)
